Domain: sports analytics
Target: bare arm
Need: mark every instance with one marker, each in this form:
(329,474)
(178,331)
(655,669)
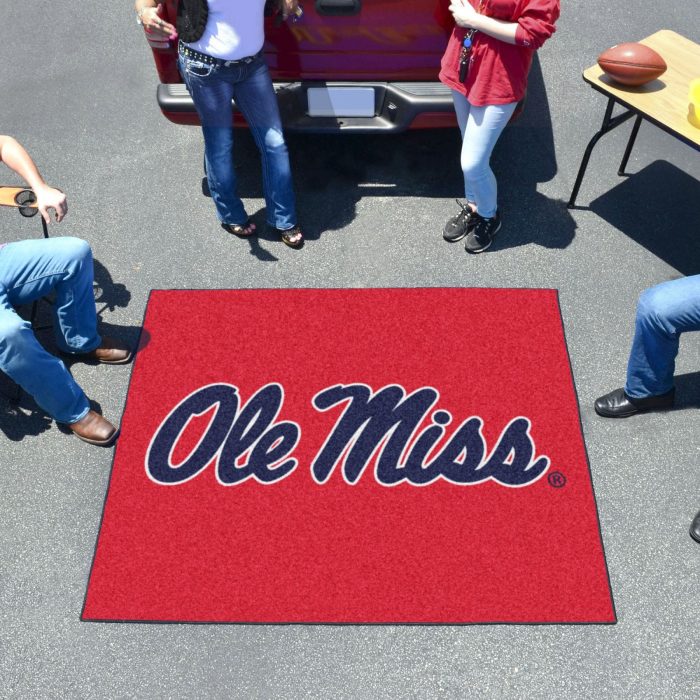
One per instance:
(150,14)
(466,16)
(498,29)
(533,28)
(17,159)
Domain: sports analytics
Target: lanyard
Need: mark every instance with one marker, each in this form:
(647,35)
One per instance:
(467,43)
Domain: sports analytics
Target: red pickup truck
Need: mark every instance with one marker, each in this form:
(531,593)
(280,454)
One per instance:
(365,66)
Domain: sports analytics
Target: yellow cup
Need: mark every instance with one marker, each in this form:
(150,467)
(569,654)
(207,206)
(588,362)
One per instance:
(694,103)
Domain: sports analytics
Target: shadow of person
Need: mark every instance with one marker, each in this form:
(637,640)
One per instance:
(524,157)
(262,233)
(108,292)
(18,420)
(653,207)
(687,390)
(332,173)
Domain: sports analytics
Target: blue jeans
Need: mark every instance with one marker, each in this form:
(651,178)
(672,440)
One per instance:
(663,313)
(212,88)
(480,127)
(28,271)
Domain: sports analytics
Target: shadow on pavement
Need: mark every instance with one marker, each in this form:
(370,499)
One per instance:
(687,390)
(332,173)
(108,292)
(524,156)
(18,421)
(655,207)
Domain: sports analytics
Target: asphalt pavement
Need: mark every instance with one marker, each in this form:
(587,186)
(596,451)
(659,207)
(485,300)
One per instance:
(77,88)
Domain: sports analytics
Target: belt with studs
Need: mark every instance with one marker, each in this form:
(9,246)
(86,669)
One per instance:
(211,60)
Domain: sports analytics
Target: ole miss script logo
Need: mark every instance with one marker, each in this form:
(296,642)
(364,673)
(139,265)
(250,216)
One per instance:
(317,457)
(405,435)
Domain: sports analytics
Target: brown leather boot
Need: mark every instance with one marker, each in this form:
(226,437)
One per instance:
(95,429)
(110,352)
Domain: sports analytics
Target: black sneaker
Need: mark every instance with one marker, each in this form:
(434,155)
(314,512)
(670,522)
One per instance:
(483,233)
(459,226)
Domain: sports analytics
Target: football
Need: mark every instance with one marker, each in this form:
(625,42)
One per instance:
(631,63)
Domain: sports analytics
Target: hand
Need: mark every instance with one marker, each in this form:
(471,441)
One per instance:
(289,7)
(464,14)
(51,198)
(152,21)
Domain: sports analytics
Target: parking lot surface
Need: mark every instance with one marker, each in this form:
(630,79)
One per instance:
(77,88)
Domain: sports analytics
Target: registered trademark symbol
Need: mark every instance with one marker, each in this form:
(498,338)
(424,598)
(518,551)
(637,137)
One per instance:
(557,480)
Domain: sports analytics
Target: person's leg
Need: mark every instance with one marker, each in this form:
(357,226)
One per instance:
(32,269)
(458,226)
(40,374)
(483,127)
(663,313)
(462,108)
(256,99)
(212,96)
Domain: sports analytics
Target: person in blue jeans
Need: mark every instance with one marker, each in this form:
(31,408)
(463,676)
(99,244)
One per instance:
(32,269)
(664,312)
(220,59)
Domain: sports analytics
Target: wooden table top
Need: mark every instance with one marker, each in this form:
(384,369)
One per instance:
(8,194)
(664,100)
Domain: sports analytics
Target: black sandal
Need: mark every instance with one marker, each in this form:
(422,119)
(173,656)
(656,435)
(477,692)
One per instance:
(289,235)
(240,229)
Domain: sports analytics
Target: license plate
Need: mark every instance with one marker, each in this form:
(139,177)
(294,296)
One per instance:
(341,102)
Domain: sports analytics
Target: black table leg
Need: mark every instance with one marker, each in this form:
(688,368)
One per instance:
(630,145)
(609,123)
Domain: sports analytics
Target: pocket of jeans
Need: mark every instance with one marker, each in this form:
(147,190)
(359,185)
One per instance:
(198,69)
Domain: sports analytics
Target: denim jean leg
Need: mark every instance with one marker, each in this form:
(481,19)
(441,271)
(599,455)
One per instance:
(221,176)
(74,315)
(212,93)
(33,269)
(40,374)
(664,312)
(256,98)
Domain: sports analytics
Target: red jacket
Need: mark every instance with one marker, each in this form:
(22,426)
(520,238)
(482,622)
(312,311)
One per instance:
(498,70)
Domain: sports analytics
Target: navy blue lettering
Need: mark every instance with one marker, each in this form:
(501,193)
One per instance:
(510,462)
(385,425)
(368,420)
(273,446)
(229,437)
(253,426)
(415,470)
(389,418)
(158,464)
(461,458)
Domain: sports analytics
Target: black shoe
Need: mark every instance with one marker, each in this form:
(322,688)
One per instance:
(695,528)
(483,233)
(459,226)
(617,404)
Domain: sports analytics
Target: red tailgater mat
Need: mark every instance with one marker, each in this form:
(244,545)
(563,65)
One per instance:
(351,456)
